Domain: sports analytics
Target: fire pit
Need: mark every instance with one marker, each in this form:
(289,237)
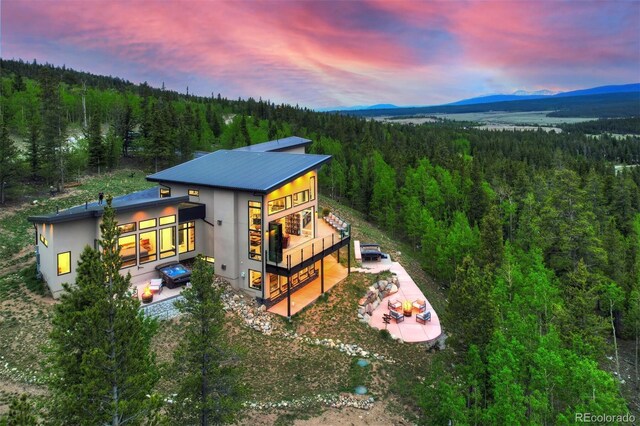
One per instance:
(407,308)
(147,296)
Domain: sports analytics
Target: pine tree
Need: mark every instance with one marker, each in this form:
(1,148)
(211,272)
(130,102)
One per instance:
(53,131)
(96,149)
(102,369)
(8,159)
(471,288)
(21,413)
(210,391)
(491,244)
(244,131)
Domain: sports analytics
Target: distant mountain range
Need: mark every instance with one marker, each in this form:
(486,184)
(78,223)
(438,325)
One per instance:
(357,107)
(522,95)
(604,101)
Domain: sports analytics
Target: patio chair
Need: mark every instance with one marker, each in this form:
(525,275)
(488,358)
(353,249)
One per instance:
(155,285)
(420,305)
(398,316)
(394,304)
(423,317)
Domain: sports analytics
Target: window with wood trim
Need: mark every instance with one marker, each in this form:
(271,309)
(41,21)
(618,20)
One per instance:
(167,242)
(64,263)
(128,251)
(166,220)
(148,247)
(149,223)
(255,279)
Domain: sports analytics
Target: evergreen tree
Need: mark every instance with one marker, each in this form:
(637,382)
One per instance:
(53,131)
(96,146)
(209,390)
(21,413)
(244,132)
(113,148)
(8,159)
(491,244)
(471,288)
(102,369)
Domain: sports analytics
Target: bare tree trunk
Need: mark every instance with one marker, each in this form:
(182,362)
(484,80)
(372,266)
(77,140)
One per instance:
(84,103)
(637,376)
(615,340)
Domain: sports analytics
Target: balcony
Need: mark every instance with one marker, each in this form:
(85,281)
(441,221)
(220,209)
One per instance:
(302,255)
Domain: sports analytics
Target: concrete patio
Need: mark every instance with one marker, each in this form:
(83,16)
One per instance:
(409,330)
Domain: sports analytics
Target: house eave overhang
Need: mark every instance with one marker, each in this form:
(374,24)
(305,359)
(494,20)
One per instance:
(94,213)
(263,190)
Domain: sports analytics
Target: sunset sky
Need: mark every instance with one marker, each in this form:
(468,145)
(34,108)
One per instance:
(335,53)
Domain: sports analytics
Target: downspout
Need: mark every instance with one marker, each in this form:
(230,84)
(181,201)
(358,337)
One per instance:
(264,259)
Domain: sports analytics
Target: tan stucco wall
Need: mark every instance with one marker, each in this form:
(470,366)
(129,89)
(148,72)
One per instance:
(74,236)
(63,237)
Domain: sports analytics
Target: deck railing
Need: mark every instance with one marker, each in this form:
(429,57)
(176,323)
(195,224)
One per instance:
(316,247)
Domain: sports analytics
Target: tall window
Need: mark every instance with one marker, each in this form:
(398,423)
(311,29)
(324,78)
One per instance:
(167,242)
(255,279)
(255,230)
(64,263)
(312,188)
(128,252)
(148,247)
(186,237)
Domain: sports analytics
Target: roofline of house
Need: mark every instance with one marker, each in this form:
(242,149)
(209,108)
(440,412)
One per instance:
(93,213)
(255,190)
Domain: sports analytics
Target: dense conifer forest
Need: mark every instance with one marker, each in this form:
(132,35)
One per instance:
(535,236)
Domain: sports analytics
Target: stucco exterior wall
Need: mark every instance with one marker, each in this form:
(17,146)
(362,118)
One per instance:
(63,237)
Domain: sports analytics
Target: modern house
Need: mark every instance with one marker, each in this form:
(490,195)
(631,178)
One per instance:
(253,211)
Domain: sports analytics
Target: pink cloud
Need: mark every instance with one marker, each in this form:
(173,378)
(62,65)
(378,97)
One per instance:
(332,52)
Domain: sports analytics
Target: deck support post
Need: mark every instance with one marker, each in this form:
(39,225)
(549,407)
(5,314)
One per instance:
(349,258)
(322,275)
(289,289)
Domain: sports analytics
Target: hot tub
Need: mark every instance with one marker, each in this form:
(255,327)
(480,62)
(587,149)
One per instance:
(174,274)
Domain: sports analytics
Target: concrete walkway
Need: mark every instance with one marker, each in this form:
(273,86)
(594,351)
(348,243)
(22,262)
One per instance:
(408,330)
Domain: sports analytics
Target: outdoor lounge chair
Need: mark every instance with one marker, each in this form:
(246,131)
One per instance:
(423,317)
(394,304)
(398,316)
(420,305)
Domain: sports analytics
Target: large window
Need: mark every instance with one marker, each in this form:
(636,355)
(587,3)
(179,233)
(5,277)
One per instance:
(300,197)
(128,251)
(255,230)
(167,242)
(186,237)
(255,279)
(148,247)
(64,263)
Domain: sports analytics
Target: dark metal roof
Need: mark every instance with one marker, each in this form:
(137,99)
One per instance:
(242,170)
(276,145)
(136,200)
